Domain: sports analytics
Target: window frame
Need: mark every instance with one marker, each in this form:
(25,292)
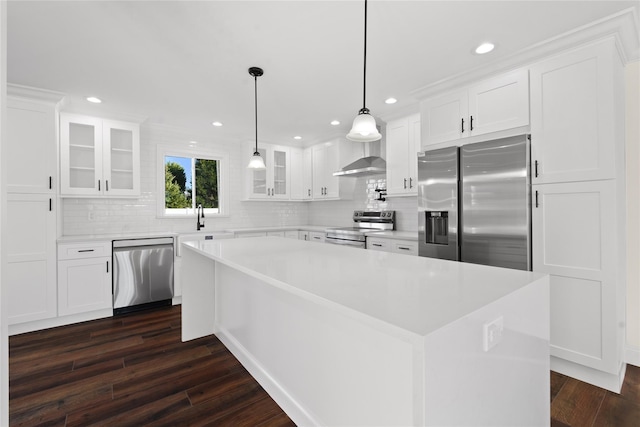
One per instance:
(192,152)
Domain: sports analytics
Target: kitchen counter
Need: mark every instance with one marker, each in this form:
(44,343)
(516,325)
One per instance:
(115,236)
(313,323)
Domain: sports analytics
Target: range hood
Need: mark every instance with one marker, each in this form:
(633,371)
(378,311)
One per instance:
(367,165)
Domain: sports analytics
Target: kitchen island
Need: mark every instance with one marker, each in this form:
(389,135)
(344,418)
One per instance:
(342,336)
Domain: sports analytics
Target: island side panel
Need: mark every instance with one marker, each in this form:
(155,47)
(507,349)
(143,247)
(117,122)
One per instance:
(321,366)
(507,385)
(198,294)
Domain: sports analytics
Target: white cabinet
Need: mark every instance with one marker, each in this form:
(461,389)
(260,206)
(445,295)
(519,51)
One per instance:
(575,242)
(30,248)
(84,277)
(273,182)
(330,157)
(276,233)
(403,144)
(303,235)
(574,114)
(98,157)
(496,104)
(31,146)
(241,234)
(291,234)
(301,174)
(398,246)
(317,236)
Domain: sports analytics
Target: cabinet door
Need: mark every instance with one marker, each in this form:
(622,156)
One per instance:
(258,185)
(404,247)
(307,174)
(574,241)
(30,237)
(84,285)
(397,156)
(297,170)
(80,155)
(383,245)
(415,134)
(332,164)
(121,158)
(572,116)
(319,171)
(444,118)
(500,103)
(31,146)
(280,185)
(316,236)
(303,235)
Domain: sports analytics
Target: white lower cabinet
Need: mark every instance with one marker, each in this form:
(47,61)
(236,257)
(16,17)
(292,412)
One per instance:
(291,234)
(303,235)
(576,243)
(30,254)
(398,246)
(317,236)
(84,277)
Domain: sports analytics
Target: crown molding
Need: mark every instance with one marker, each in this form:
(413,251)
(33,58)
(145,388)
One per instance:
(34,94)
(622,27)
(98,110)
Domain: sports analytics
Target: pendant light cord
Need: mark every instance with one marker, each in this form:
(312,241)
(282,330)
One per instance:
(364,87)
(255,80)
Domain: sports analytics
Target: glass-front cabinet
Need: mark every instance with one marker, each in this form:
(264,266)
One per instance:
(272,182)
(99,157)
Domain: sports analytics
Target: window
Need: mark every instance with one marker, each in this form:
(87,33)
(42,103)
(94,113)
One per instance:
(190,179)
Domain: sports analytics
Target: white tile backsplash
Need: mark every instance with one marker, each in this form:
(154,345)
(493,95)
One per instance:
(90,216)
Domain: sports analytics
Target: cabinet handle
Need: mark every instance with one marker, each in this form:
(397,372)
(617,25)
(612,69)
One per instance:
(50,183)
(106,185)
(404,248)
(462,124)
(471,123)
(376,244)
(537,199)
(50,204)
(107,266)
(405,183)
(309,192)
(85,250)
(535,172)
(410,183)
(98,185)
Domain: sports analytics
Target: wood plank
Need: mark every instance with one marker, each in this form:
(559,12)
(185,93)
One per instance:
(617,411)
(577,403)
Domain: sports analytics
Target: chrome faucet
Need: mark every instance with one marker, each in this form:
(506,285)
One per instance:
(199,224)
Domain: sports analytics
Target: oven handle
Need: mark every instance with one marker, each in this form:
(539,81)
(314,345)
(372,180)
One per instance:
(355,243)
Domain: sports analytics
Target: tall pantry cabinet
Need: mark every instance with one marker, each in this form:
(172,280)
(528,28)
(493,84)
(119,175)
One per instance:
(577,154)
(31,182)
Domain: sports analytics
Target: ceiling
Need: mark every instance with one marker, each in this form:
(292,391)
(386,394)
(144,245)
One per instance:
(184,63)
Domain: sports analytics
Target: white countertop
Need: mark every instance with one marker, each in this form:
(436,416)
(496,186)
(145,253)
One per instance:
(414,294)
(118,236)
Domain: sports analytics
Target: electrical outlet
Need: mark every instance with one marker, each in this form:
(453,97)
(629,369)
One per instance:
(492,333)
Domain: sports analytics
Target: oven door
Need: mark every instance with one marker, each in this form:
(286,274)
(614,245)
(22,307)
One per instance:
(344,242)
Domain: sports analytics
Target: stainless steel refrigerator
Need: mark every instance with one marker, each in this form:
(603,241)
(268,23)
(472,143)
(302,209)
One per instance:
(474,203)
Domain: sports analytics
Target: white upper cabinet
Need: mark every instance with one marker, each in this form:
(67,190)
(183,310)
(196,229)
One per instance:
(31,145)
(403,144)
(99,157)
(330,157)
(273,182)
(573,121)
(301,174)
(493,105)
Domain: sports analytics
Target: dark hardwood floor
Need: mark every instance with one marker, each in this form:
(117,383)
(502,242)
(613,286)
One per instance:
(133,370)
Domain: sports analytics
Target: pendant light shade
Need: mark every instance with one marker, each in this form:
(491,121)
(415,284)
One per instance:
(364,127)
(256,162)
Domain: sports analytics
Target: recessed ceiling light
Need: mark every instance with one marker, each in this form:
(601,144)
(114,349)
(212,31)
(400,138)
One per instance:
(297,137)
(94,99)
(335,122)
(193,142)
(217,124)
(484,48)
(390,101)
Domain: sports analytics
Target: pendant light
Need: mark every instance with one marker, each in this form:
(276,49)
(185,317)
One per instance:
(256,162)
(364,125)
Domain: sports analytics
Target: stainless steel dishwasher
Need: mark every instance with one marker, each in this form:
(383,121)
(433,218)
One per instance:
(142,273)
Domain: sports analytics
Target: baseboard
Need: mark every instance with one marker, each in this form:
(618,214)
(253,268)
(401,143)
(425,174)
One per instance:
(289,405)
(632,355)
(37,325)
(611,382)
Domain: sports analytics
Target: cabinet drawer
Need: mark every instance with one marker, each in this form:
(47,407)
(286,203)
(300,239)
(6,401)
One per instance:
(405,247)
(378,244)
(84,250)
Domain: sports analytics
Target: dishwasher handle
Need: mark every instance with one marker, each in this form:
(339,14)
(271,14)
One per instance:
(130,243)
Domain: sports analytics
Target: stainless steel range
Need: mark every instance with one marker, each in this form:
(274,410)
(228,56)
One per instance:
(364,221)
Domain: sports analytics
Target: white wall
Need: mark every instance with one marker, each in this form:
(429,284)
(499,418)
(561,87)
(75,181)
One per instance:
(4,334)
(632,120)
